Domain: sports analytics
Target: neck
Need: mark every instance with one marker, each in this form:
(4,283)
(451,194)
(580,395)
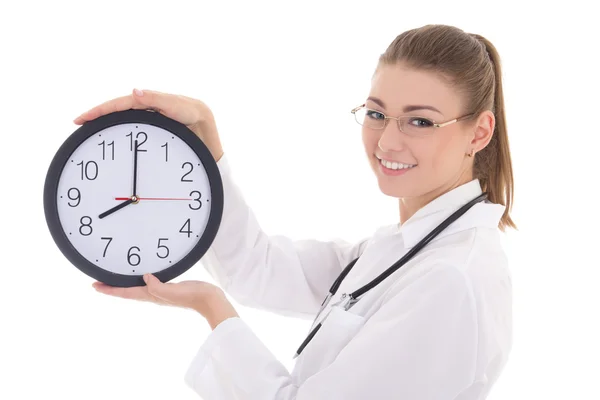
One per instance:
(410,205)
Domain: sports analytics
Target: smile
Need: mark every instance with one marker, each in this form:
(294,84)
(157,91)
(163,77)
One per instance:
(393,165)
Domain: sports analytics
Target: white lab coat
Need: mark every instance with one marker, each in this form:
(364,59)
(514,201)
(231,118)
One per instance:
(440,327)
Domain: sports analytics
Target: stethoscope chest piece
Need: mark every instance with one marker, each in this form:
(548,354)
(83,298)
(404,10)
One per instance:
(347,301)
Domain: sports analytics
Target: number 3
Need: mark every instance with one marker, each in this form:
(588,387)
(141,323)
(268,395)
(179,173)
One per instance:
(198,200)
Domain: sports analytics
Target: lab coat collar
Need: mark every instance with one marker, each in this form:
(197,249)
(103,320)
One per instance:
(483,214)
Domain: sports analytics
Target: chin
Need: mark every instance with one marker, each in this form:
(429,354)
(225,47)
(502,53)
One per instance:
(393,191)
(393,187)
(399,186)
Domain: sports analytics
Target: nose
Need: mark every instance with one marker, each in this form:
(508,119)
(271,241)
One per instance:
(392,139)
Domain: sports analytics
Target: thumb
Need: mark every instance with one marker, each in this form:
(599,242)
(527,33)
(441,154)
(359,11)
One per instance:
(163,291)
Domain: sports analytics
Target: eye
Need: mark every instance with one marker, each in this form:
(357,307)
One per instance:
(375,115)
(420,122)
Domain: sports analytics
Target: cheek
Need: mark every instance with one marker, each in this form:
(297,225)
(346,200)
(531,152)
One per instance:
(442,153)
(370,140)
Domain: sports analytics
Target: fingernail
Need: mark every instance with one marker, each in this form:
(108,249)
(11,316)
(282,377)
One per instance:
(138,92)
(146,278)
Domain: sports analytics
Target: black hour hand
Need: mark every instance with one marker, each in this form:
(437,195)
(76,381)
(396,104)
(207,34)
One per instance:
(116,208)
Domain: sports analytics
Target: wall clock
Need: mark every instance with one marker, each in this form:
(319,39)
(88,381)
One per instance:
(133,192)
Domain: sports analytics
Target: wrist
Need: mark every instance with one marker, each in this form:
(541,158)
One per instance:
(220,309)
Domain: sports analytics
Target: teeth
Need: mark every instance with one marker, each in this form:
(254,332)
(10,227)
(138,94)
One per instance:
(395,165)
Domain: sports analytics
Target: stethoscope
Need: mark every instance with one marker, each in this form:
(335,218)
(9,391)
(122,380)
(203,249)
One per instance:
(348,300)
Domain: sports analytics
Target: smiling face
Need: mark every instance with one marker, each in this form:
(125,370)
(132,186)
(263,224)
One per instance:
(440,158)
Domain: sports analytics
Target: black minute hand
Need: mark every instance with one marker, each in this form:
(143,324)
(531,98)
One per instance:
(135,152)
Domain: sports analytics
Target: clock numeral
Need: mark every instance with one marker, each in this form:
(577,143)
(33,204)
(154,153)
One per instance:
(198,200)
(130,135)
(86,225)
(109,240)
(130,255)
(166,146)
(104,146)
(85,170)
(189,172)
(78,197)
(162,247)
(187,224)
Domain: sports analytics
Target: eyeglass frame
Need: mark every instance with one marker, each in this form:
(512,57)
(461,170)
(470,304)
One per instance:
(386,117)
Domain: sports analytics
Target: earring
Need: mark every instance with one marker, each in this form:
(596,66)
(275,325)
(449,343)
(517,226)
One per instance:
(472,153)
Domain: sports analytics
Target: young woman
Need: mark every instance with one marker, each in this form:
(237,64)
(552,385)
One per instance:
(439,327)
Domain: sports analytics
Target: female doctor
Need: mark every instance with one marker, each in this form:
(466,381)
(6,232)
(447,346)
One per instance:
(436,325)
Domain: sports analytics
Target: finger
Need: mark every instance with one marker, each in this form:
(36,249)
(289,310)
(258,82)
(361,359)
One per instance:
(179,108)
(135,293)
(118,104)
(168,292)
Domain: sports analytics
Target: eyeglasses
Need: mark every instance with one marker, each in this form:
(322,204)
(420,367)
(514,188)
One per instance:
(411,125)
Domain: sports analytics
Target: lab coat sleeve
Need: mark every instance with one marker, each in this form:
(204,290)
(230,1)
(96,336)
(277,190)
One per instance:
(419,345)
(271,272)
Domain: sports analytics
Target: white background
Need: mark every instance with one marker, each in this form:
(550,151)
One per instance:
(281,79)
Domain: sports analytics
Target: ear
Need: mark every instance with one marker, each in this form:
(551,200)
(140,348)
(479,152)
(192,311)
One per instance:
(483,131)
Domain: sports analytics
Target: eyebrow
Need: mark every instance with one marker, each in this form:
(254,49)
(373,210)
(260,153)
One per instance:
(408,108)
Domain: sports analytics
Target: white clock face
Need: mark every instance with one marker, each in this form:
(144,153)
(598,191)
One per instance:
(144,237)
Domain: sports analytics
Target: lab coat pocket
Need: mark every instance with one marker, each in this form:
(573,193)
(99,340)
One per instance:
(335,333)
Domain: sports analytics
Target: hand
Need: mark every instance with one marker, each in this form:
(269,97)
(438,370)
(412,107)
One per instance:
(193,113)
(205,298)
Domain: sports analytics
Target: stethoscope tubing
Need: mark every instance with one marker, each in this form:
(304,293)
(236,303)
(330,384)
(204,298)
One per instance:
(352,298)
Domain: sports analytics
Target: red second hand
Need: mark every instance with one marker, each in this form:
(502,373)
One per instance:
(151,198)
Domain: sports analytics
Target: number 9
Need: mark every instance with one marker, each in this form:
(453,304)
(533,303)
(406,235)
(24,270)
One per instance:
(78,197)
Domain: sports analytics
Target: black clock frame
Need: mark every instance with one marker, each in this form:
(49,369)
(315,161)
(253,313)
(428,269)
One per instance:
(88,129)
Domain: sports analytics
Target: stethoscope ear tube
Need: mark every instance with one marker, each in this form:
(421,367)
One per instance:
(338,281)
(308,339)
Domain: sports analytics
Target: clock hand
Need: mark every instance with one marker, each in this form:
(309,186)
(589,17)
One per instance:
(153,198)
(117,208)
(135,152)
(133,198)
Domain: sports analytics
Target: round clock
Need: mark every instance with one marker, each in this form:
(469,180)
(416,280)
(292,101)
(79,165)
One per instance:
(130,193)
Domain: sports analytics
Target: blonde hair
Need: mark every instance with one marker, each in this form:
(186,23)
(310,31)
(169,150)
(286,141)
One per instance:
(471,64)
